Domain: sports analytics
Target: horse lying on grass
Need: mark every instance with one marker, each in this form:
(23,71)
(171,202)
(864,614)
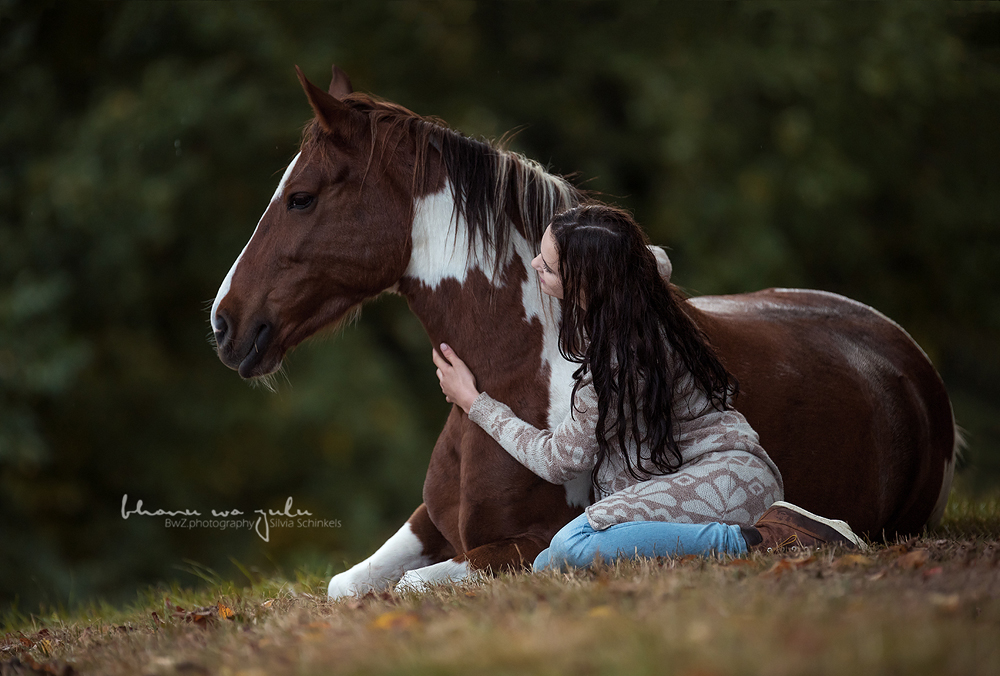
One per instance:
(379,199)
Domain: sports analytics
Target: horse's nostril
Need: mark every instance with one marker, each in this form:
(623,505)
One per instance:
(221,328)
(263,336)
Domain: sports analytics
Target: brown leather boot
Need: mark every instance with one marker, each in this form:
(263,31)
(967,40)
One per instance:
(787,526)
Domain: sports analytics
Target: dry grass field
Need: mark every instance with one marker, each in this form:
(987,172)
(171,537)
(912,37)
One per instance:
(930,605)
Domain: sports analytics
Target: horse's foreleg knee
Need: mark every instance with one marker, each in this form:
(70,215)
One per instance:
(510,555)
(416,545)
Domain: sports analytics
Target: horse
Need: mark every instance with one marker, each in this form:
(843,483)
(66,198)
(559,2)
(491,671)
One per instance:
(382,200)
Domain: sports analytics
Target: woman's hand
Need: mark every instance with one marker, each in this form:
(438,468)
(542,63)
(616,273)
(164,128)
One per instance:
(457,381)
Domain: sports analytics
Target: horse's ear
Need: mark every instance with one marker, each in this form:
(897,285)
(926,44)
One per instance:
(328,109)
(340,85)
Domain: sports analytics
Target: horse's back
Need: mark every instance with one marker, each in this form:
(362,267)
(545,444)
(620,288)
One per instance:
(845,402)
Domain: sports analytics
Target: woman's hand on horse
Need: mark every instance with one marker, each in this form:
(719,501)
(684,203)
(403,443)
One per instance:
(457,381)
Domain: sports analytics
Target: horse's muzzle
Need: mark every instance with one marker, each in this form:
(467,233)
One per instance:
(244,356)
(255,354)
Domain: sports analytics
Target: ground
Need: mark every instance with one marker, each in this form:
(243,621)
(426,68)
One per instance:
(927,605)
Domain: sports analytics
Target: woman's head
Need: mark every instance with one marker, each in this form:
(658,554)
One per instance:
(597,259)
(627,327)
(600,242)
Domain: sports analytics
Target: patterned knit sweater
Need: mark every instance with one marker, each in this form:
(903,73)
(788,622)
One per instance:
(707,438)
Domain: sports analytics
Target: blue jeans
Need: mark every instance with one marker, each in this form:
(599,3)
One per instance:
(577,544)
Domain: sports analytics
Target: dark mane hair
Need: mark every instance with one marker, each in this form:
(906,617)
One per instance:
(494,188)
(628,335)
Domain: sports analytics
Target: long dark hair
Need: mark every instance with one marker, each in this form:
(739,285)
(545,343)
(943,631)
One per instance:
(623,334)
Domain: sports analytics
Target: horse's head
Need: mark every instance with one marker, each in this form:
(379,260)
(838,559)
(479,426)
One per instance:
(337,231)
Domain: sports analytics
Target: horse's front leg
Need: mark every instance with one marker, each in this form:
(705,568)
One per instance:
(417,544)
(512,554)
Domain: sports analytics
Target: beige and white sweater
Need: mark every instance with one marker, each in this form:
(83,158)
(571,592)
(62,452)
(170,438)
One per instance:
(725,474)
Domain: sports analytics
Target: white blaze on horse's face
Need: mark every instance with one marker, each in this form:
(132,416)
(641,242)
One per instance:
(276,198)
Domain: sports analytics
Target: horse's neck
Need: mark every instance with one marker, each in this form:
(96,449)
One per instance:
(494,316)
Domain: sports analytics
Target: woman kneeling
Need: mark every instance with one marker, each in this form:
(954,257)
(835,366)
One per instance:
(675,468)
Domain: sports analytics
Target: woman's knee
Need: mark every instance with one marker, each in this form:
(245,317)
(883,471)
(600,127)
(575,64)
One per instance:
(568,543)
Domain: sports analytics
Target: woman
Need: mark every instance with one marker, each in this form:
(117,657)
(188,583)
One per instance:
(675,469)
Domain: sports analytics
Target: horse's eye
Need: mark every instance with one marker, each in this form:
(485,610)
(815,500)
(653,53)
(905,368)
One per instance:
(300,200)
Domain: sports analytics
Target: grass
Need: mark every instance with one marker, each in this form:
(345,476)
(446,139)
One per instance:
(930,605)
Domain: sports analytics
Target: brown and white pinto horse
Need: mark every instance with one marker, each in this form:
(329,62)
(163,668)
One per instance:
(379,199)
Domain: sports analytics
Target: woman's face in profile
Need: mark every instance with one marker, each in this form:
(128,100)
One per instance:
(546,264)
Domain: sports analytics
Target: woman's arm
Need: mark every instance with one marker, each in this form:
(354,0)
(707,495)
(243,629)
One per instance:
(556,455)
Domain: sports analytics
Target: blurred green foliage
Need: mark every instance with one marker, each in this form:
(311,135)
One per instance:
(853,150)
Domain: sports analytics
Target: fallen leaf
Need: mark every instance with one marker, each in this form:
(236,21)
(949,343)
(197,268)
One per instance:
(912,560)
(779,568)
(895,551)
(899,549)
(200,616)
(396,620)
(784,565)
(848,561)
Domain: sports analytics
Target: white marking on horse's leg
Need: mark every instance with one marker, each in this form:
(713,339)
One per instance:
(382,569)
(421,579)
(224,288)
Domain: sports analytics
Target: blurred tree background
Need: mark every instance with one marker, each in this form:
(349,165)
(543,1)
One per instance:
(853,150)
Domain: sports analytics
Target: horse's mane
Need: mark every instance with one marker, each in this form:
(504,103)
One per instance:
(495,189)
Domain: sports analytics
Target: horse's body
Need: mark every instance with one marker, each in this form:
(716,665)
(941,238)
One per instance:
(379,199)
